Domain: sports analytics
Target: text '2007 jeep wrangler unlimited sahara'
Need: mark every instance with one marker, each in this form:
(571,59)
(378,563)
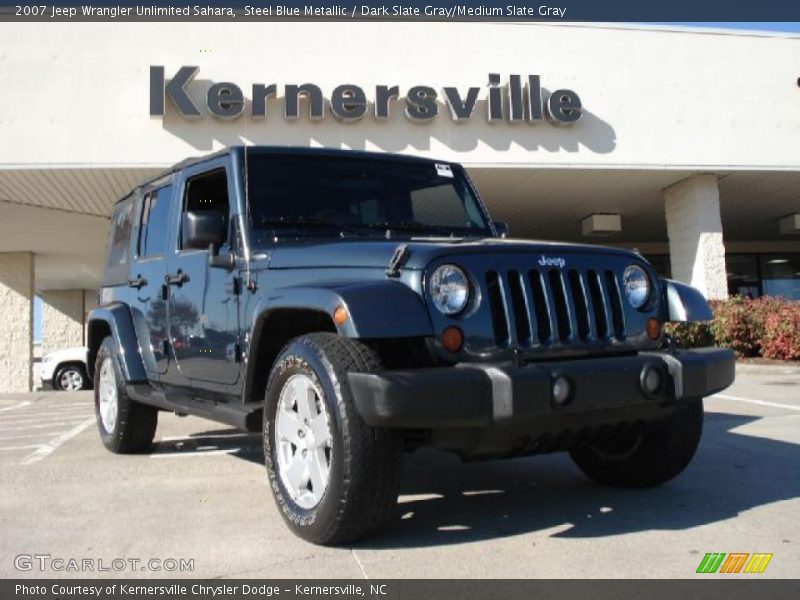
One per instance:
(354,306)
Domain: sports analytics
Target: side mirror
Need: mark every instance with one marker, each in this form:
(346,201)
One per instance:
(501,227)
(202,228)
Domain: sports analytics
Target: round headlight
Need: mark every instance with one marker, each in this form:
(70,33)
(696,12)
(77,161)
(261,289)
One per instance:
(449,289)
(637,286)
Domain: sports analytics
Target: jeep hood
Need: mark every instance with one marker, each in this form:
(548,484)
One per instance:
(372,253)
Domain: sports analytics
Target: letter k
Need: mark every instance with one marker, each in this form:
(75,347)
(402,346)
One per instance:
(175,90)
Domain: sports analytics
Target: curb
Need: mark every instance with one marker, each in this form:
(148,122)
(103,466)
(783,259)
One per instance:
(755,369)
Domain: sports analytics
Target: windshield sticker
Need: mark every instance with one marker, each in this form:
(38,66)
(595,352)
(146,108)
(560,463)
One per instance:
(443,170)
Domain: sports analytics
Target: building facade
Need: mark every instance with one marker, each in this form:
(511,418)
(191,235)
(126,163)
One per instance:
(683,144)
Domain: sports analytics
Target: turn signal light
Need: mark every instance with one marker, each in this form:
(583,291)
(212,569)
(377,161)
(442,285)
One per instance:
(340,315)
(653,328)
(452,339)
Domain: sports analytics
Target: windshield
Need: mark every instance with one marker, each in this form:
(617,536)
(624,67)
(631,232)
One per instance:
(336,195)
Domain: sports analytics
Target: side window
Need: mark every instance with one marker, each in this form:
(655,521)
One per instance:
(208,192)
(155,220)
(119,241)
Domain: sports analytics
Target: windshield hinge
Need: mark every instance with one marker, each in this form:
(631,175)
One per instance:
(399,258)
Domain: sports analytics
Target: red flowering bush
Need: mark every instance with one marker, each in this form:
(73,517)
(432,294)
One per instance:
(737,325)
(767,326)
(781,336)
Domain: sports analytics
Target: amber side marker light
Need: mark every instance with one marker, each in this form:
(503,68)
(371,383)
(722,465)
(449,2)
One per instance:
(452,339)
(340,315)
(653,328)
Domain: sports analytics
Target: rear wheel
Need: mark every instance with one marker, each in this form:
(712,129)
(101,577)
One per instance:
(648,458)
(335,478)
(125,426)
(70,378)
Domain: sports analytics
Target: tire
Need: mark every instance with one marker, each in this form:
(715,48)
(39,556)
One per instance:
(364,464)
(70,378)
(656,455)
(125,426)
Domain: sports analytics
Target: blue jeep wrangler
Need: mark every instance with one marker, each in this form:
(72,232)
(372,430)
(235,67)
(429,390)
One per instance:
(356,306)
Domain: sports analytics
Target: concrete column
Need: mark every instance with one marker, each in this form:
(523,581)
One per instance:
(695,235)
(63,319)
(16,322)
(89,304)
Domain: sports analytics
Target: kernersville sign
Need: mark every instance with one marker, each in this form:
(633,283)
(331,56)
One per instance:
(517,100)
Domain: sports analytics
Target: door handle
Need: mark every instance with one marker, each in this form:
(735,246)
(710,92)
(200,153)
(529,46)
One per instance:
(178,278)
(138,282)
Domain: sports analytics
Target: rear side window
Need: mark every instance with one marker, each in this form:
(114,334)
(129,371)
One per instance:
(155,219)
(119,240)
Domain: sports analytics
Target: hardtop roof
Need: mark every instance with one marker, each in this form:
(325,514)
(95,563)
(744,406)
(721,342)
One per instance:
(233,150)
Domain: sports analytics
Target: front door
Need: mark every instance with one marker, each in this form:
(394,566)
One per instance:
(203,300)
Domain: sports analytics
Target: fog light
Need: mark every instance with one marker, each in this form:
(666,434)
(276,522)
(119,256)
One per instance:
(650,380)
(452,339)
(562,391)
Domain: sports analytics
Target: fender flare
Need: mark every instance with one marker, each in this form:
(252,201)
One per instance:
(685,303)
(375,309)
(118,321)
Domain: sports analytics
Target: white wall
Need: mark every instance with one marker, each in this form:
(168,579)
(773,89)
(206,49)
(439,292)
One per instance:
(63,319)
(77,93)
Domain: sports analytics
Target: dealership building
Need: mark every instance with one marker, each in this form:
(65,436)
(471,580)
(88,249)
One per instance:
(682,143)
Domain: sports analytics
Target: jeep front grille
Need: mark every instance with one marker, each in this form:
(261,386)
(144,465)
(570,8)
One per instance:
(550,306)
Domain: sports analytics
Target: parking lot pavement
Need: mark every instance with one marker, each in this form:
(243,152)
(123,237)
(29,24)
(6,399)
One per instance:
(32,429)
(202,495)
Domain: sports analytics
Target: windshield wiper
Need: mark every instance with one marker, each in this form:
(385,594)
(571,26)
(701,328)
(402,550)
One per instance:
(297,222)
(308,223)
(408,226)
(301,222)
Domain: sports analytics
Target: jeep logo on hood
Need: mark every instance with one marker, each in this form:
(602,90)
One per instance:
(555,261)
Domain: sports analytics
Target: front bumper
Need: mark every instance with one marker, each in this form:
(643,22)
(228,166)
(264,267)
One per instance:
(471,395)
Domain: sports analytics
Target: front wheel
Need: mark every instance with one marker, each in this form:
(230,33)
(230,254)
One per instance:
(335,478)
(648,458)
(125,426)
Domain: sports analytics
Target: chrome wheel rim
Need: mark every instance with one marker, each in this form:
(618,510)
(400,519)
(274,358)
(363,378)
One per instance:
(71,380)
(303,441)
(107,394)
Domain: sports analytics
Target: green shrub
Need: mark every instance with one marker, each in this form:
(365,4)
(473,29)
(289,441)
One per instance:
(690,335)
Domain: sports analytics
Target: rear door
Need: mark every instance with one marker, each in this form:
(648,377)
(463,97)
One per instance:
(149,306)
(203,301)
